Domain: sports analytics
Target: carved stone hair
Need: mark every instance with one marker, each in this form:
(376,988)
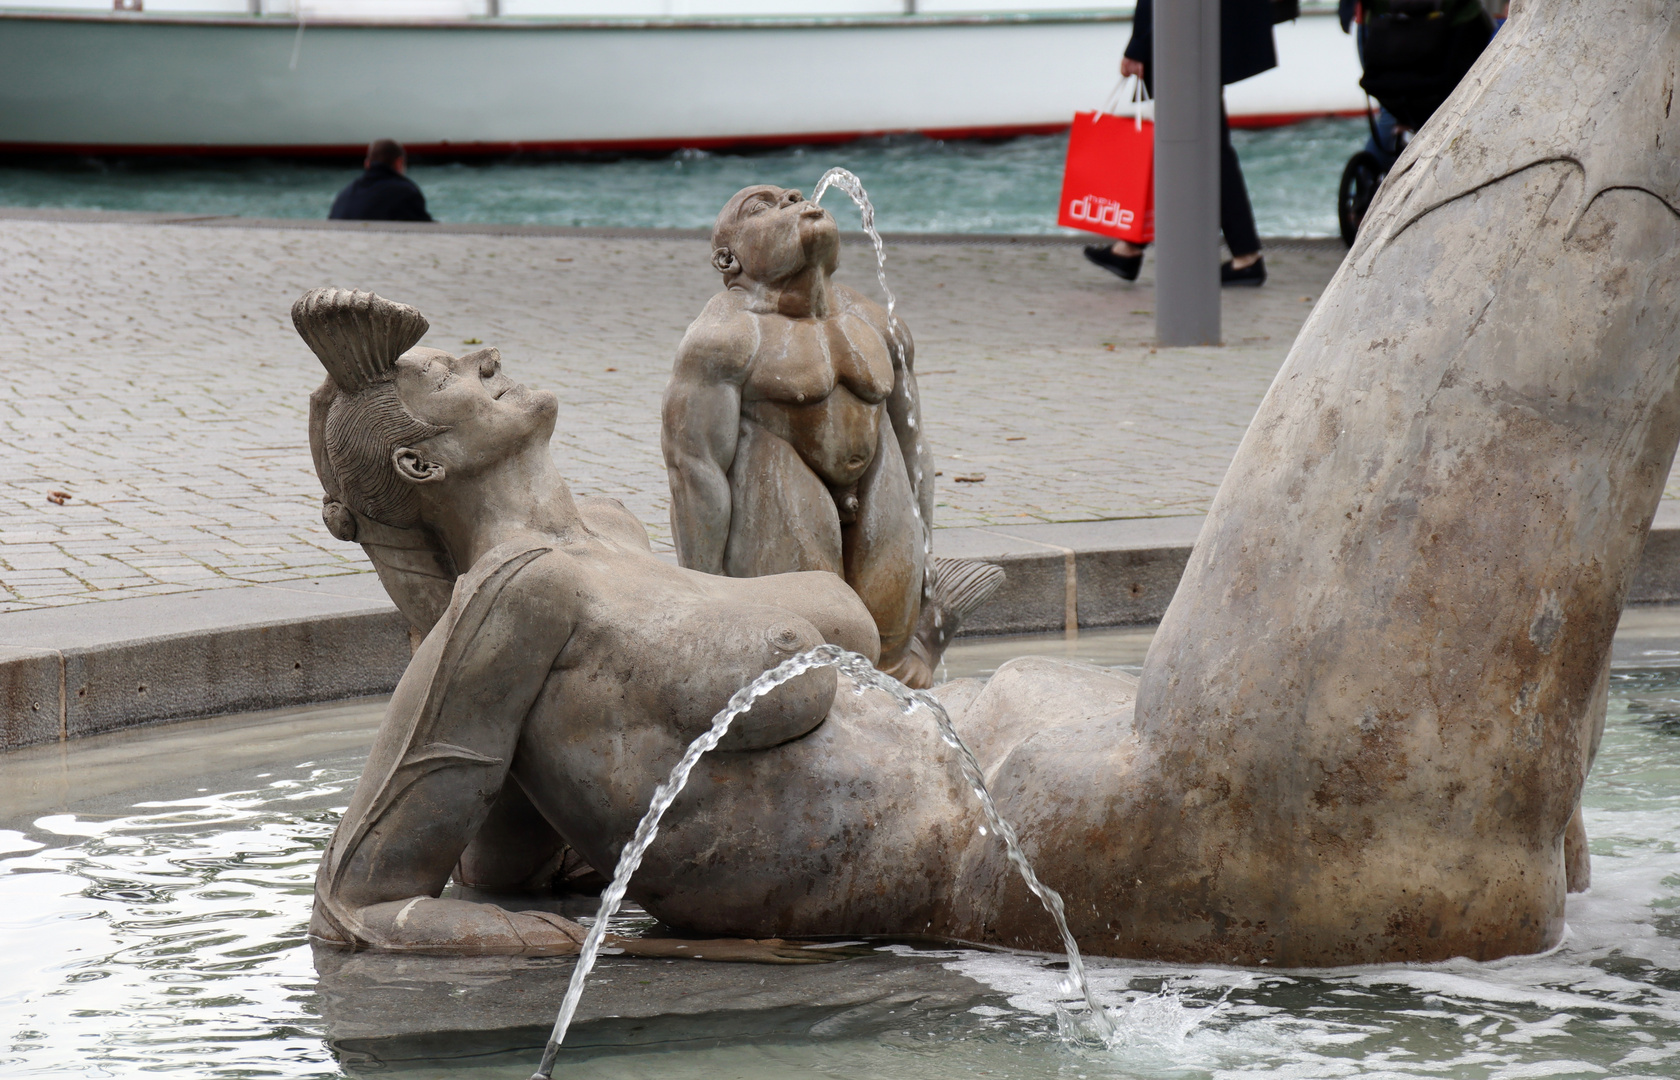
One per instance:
(363,431)
(359,420)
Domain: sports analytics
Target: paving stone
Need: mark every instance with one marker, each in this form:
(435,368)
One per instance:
(151,372)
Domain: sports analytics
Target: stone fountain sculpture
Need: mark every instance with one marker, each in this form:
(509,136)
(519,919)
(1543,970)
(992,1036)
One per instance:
(793,434)
(1360,735)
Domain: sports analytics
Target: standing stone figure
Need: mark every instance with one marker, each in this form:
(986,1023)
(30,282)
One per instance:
(793,434)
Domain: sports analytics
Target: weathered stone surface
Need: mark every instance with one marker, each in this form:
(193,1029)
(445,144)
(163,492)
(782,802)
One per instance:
(1366,718)
(31,698)
(794,438)
(384,1009)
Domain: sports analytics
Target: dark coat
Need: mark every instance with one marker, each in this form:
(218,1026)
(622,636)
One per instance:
(380,194)
(1245,38)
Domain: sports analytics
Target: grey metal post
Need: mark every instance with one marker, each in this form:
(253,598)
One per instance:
(1186,77)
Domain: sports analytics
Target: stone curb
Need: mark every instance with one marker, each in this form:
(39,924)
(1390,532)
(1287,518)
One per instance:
(86,669)
(92,668)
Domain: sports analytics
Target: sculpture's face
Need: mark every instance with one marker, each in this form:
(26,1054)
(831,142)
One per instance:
(775,233)
(489,416)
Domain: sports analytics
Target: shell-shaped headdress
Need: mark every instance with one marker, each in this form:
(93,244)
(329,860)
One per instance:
(358,336)
(355,334)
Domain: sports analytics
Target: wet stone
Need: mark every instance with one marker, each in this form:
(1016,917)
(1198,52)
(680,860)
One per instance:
(381,1010)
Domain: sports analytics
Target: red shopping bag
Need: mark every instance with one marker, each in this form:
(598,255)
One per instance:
(1108,186)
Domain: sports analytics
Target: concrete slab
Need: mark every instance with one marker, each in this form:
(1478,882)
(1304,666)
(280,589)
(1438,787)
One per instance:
(31,696)
(1658,577)
(381,1010)
(195,654)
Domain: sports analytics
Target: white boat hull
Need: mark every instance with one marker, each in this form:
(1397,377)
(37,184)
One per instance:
(144,84)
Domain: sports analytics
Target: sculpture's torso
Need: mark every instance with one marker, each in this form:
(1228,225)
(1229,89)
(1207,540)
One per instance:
(815,465)
(820,385)
(642,675)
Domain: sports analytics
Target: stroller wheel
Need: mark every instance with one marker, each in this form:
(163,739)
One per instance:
(1360,180)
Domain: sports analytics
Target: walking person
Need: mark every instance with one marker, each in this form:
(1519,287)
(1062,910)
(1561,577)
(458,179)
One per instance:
(383,192)
(1245,49)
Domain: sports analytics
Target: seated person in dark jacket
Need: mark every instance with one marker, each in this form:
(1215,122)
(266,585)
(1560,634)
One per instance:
(382,192)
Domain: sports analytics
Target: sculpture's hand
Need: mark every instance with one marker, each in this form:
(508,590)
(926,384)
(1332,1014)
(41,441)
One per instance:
(734,950)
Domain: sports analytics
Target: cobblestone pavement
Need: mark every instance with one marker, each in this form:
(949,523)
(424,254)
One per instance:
(152,375)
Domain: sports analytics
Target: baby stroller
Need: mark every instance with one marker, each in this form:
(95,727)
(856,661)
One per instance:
(1414,53)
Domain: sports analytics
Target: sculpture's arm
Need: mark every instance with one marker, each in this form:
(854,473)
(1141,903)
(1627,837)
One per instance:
(904,406)
(437,764)
(700,428)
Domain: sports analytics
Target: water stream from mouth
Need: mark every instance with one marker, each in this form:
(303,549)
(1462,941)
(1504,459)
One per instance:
(865,676)
(853,188)
(848,183)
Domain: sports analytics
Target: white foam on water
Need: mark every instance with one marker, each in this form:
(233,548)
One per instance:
(1605,1001)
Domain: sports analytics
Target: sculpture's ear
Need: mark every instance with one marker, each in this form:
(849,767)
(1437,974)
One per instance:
(725,262)
(414,467)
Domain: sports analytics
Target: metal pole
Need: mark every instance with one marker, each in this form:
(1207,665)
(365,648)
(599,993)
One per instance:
(1186,75)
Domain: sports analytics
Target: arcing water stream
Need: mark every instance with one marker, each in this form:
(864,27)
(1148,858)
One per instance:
(848,183)
(853,187)
(865,676)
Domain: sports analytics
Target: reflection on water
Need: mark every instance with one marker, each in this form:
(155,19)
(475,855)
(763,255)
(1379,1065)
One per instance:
(160,929)
(922,185)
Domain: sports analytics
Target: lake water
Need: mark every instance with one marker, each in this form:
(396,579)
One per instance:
(918,184)
(155,886)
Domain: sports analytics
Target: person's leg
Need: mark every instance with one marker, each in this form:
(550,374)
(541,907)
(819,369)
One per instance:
(1236,216)
(1125,248)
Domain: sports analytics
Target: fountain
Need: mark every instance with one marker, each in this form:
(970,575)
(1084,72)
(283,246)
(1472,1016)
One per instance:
(853,188)
(1355,748)
(1299,776)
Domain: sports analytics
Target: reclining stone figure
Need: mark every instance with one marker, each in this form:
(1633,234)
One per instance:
(1363,727)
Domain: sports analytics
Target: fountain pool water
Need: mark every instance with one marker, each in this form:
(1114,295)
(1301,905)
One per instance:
(155,886)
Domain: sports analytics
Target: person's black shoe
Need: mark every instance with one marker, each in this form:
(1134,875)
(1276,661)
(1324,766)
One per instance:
(1252,274)
(1126,266)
